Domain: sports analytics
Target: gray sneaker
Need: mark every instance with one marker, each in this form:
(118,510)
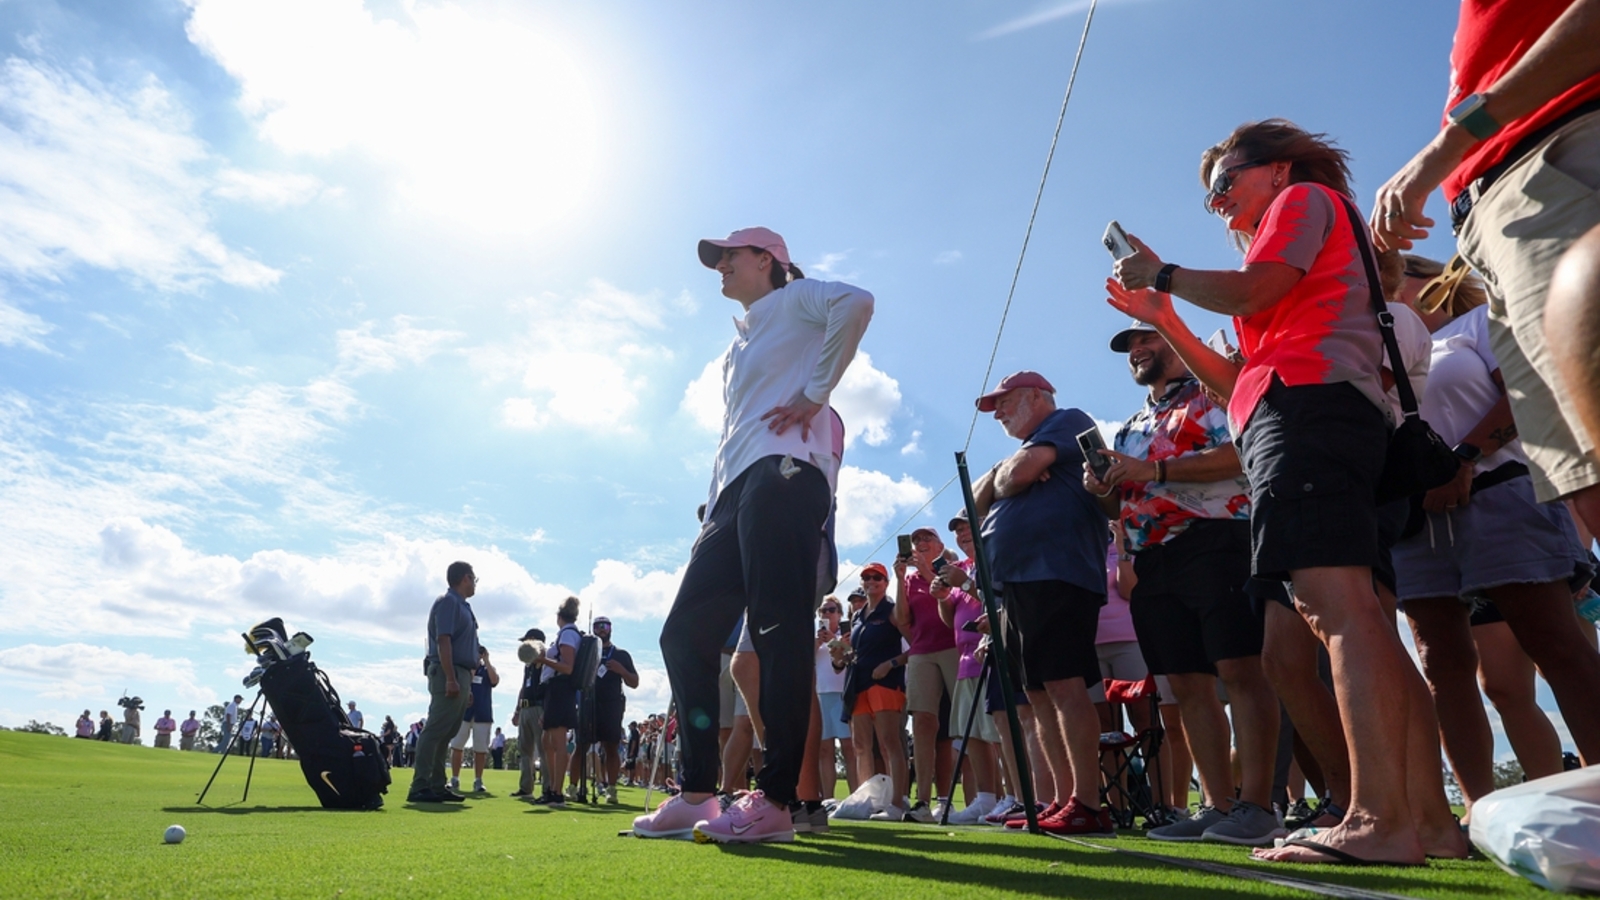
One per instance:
(920,813)
(819,819)
(1247,824)
(799,819)
(1190,829)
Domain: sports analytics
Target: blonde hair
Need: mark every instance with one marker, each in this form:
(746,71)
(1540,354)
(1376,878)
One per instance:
(1467,294)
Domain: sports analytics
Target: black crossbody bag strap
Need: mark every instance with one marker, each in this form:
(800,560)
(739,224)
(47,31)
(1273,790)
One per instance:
(1402,382)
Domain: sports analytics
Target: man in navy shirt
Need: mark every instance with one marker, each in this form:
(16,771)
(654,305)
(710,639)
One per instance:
(1047,538)
(476,723)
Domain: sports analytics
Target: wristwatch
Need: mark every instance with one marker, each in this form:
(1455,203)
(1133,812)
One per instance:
(1469,453)
(1473,115)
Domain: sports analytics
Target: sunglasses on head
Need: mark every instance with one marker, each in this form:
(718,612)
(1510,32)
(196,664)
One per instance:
(1222,181)
(1442,288)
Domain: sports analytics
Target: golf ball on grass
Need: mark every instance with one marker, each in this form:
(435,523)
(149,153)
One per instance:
(174,834)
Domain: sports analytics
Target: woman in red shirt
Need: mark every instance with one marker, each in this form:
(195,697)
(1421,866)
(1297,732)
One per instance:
(1308,410)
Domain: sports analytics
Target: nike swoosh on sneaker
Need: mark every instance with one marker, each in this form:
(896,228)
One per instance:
(741,829)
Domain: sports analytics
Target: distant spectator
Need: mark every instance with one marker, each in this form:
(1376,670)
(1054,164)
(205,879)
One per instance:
(931,666)
(875,685)
(188,731)
(107,725)
(529,720)
(85,726)
(165,726)
(616,670)
(247,734)
(130,723)
(475,723)
(230,718)
(560,702)
(830,697)
(270,730)
(355,717)
(389,739)
(497,749)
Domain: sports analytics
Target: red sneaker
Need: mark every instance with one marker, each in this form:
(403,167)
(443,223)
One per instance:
(1078,818)
(1020,820)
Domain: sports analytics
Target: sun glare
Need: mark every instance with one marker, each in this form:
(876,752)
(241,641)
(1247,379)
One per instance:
(486,121)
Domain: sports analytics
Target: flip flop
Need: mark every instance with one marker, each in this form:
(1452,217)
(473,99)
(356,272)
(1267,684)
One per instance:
(1340,856)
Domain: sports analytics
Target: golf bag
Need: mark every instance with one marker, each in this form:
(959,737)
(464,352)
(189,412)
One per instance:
(342,763)
(585,666)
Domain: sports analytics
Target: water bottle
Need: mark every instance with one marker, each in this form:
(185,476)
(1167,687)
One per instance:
(1589,607)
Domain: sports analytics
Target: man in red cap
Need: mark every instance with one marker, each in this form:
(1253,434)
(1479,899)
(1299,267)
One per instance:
(1045,536)
(772,486)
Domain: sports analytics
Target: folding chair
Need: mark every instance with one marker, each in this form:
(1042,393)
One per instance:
(1129,764)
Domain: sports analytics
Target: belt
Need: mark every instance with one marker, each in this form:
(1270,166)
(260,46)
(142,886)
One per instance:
(1461,206)
(1498,475)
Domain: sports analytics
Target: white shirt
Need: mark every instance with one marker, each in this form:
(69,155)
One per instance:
(355,718)
(828,680)
(800,337)
(1462,389)
(568,636)
(230,713)
(1415,346)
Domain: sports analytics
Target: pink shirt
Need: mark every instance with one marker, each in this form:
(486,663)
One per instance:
(1116,621)
(928,631)
(967,608)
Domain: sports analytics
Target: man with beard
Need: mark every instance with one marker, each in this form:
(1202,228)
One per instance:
(616,670)
(1045,535)
(1176,481)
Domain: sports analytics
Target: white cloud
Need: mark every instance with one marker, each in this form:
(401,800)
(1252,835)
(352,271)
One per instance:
(583,361)
(363,349)
(1108,430)
(828,267)
(482,118)
(913,446)
(109,177)
(866,400)
(948,257)
(1042,16)
(624,591)
(871,501)
(270,190)
(66,672)
(22,329)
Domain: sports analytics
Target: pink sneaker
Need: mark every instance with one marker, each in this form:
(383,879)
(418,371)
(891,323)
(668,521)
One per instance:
(750,819)
(675,817)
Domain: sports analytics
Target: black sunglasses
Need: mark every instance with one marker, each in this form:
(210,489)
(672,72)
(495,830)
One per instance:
(872,577)
(830,609)
(1222,182)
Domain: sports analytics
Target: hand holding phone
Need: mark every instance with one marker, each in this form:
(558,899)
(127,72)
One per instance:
(972,626)
(904,544)
(1116,241)
(1091,443)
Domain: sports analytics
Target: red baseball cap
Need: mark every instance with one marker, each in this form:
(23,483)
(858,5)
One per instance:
(760,238)
(1023,379)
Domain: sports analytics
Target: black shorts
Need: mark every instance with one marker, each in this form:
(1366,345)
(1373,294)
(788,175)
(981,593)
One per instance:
(1189,608)
(560,703)
(1313,454)
(608,721)
(1056,624)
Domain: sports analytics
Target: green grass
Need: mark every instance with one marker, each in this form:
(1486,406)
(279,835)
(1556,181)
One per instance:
(85,819)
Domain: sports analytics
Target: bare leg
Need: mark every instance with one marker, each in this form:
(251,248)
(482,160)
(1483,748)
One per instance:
(810,784)
(736,756)
(746,671)
(924,748)
(1368,663)
(1206,726)
(1507,675)
(889,726)
(1177,763)
(861,740)
(1289,659)
(1080,735)
(1047,727)
(1449,664)
(1546,625)
(1255,725)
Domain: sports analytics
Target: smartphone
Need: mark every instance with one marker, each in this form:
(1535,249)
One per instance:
(1219,342)
(905,544)
(1116,241)
(972,625)
(939,563)
(1090,442)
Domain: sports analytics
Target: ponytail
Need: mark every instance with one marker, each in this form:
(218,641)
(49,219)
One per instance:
(781,275)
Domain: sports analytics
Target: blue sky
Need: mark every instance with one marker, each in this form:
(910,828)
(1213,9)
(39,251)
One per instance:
(301,300)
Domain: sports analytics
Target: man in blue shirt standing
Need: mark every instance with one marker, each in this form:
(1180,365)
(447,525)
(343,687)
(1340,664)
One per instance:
(1047,538)
(452,648)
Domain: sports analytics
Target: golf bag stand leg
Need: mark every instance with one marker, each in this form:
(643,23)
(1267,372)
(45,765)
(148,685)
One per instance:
(966,736)
(227,751)
(661,748)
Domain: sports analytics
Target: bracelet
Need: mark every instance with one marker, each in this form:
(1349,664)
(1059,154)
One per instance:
(1164,278)
(1161,471)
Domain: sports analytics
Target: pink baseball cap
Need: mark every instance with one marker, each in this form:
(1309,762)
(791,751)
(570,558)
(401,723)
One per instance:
(1010,383)
(760,238)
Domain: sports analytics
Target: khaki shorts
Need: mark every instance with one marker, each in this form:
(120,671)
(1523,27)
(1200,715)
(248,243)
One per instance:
(929,678)
(1518,230)
(478,731)
(983,727)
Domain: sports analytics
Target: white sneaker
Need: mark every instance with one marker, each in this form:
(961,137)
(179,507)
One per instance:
(477,786)
(611,795)
(973,815)
(455,785)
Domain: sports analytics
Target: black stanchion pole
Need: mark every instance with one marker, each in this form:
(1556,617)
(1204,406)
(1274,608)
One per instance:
(998,651)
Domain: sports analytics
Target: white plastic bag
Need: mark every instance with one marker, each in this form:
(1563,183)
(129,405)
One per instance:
(874,794)
(1546,830)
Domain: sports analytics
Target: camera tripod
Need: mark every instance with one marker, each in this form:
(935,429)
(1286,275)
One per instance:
(228,750)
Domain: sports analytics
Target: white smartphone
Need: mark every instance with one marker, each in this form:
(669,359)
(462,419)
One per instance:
(1219,342)
(1116,241)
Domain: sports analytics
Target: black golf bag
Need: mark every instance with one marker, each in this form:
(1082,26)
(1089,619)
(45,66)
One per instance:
(585,666)
(342,763)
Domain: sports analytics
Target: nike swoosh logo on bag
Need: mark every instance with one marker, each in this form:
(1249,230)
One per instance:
(768,628)
(325,774)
